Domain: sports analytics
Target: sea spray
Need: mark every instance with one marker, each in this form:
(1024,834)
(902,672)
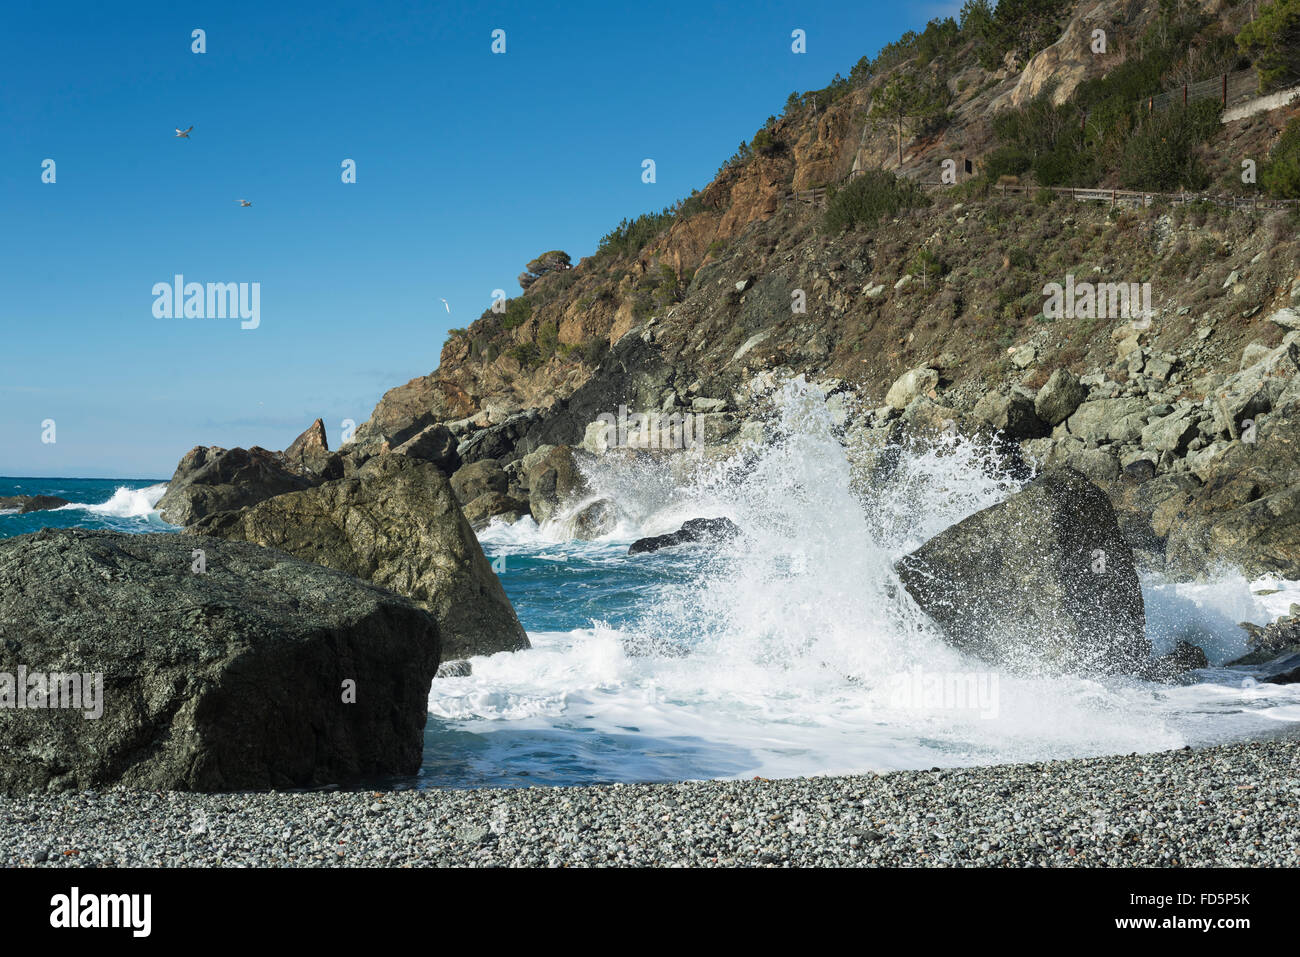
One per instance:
(788,651)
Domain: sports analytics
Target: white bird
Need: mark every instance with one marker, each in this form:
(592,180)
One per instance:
(183,134)
(243,202)
(447,304)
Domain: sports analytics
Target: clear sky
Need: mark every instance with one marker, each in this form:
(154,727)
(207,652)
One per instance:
(468,164)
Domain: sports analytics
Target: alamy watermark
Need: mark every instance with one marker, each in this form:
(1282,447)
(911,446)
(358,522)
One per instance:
(179,299)
(1102,300)
(39,690)
(651,430)
(920,690)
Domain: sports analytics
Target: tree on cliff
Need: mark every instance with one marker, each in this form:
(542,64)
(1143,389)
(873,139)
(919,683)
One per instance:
(904,103)
(555,260)
(1273,40)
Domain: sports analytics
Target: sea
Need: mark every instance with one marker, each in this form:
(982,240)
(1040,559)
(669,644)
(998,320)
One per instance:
(792,651)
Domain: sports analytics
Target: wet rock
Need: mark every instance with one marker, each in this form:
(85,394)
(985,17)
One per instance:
(554,479)
(711,530)
(1042,581)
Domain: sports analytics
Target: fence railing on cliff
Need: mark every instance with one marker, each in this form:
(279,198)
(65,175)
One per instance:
(815,197)
(1230,89)
(1115,197)
(1131,197)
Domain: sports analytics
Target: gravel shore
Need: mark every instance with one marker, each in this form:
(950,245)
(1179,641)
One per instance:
(1226,806)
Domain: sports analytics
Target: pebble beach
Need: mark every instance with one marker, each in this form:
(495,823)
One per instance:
(1228,806)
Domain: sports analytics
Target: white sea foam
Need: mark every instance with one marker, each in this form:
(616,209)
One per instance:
(126,502)
(786,653)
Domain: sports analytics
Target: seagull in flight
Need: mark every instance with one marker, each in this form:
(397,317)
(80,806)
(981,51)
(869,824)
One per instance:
(447,304)
(183,134)
(243,202)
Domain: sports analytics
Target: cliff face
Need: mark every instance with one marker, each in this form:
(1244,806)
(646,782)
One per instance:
(724,269)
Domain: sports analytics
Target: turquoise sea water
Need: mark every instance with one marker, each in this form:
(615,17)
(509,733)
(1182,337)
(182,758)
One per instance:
(791,652)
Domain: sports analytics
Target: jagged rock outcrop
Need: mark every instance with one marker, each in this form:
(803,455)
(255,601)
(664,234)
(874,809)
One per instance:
(210,479)
(233,678)
(395,523)
(1041,581)
(310,452)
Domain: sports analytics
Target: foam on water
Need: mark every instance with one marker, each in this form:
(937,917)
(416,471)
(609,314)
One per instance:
(125,502)
(795,649)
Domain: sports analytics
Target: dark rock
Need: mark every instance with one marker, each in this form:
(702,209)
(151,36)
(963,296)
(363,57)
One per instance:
(1042,581)
(434,443)
(43,503)
(225,680)
(1267,642)
(1012,414)
(455,669)
(711,530)
(211,479)
(395,523)
(1185,657)
(498,441)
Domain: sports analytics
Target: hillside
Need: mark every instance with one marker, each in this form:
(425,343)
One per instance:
(679,268)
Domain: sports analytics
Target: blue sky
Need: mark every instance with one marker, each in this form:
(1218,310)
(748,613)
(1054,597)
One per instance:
(468,165)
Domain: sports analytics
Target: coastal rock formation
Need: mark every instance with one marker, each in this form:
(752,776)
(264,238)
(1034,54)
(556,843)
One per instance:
(395,523)
(231,678)
(713,530)
(1042,581)
(212,479)
(310,452)
(553,477)
(32,503)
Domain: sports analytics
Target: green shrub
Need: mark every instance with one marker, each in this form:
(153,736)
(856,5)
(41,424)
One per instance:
(871,197)
(1161,154)
(1273,39)
(518,311)
(1281,174)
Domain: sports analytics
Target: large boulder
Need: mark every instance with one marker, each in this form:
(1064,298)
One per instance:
(1109,420)
(1041,582)
(910,385)
(212,479)
(478,478)
(554,478)
(397,524)
(228,677)
(1057,400)
(1246,514)
(434,443)
(1012,413)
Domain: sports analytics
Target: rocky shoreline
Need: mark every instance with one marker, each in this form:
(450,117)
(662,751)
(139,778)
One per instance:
(1226,806)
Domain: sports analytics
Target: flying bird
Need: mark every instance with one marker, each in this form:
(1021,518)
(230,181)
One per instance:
(243,202)
(447,304)
(183,134)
